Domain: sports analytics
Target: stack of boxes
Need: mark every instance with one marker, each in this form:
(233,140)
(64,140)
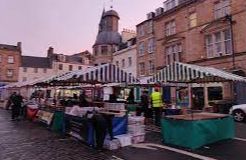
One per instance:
(136,129)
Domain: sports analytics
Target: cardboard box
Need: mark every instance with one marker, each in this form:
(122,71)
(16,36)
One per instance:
(138,139)
(136,129)
(125,140)
(111,144)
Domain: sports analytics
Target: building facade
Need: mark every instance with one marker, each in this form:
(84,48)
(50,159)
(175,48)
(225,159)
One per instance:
(10,60)
(146,47)
(126,57)
(37,67)
(108,38)
(34,68)
(202,32)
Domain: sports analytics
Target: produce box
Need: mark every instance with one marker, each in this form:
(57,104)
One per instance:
(111,144)
(138,139)
(136,129)
(125,140)
(135,120)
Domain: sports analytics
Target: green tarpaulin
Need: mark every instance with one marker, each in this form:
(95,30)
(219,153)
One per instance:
(195,134)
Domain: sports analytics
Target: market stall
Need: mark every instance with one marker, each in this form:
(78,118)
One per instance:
(193,130)
(76,120)
(196,130)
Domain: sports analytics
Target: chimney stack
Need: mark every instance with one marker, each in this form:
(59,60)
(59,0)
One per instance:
(19,46)
(50,52)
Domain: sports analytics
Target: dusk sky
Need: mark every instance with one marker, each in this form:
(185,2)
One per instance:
(70,26)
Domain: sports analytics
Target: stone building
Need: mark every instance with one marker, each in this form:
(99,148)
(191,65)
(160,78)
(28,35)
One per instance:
(108,38)
(10,60)
(202,32)
(146,49)
(126,56)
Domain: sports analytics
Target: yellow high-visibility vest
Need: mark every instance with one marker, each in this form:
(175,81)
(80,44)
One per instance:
(156,99)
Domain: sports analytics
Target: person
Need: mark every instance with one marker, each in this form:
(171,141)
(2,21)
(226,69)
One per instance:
(131,97)
(9,102)
(17,101)
(145,106)
(100,126)
(82,100)
(112,98)
(156,100)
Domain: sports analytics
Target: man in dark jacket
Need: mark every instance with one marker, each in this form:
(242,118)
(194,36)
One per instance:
(100,125)
(16,99)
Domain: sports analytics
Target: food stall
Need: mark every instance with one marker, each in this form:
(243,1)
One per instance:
(193,130)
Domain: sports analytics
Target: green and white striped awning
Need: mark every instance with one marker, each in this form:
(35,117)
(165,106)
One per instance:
(189,73)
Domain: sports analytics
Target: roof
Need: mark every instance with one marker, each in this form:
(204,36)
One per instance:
(35,62)
(111,13)
(108,37)
(9,47)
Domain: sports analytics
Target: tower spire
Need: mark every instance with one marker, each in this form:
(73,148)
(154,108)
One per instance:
(111,5)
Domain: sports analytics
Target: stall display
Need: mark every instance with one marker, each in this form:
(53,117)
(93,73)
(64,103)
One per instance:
(45,116)
(196,130)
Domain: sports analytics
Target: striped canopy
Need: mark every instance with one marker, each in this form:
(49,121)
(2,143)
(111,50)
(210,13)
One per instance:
(189,73)
(107,73)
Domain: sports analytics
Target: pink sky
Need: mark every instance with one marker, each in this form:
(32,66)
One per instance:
(70,26)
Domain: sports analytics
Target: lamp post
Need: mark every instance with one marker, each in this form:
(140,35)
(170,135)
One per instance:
(229,19)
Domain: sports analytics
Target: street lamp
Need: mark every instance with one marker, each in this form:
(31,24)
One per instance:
(229,19)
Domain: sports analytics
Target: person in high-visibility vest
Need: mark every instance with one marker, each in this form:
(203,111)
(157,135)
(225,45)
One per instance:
(156,100)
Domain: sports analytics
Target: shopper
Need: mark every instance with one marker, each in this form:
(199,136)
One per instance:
(100,125)
(82,100)
(17,101)
(145,107)
(156,100)
(130,99)
(9,102)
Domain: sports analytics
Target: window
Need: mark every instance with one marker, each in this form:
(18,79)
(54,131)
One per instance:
(169,4)
(151,45)
(35,70)
(193,20)
(10,73)
(104,50)
(0,58)
(117,63)
(142,68)
(60,66)
(123,63)
(24,79)
(150,27)
(141,31)
(173,53)
(96,51)
(141,48)
(219,44)
(151,67)
(170,28)
(79,67)
(11,59)
(70,67)
(24,69)
(129,61)
(222,8)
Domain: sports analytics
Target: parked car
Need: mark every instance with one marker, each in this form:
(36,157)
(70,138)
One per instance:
(238,112)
